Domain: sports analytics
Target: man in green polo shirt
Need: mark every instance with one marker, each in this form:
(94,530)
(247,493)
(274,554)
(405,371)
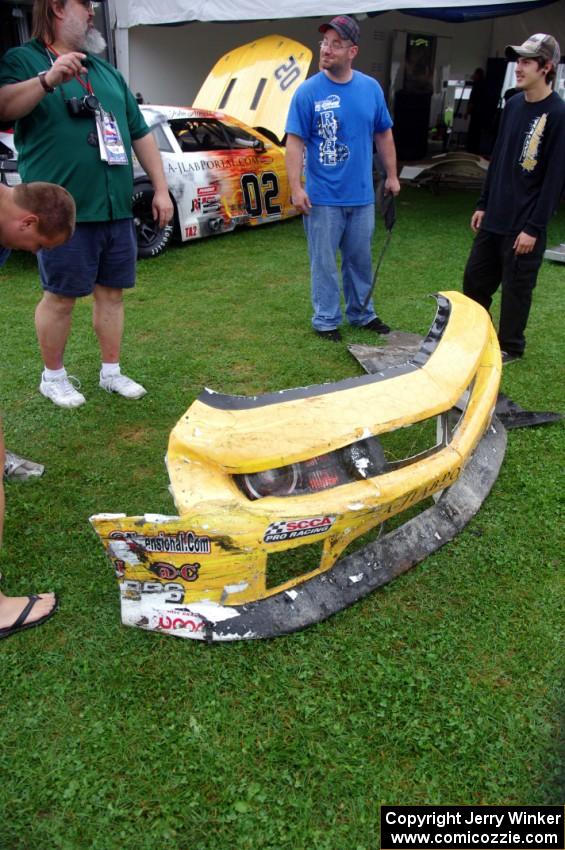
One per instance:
(75,124)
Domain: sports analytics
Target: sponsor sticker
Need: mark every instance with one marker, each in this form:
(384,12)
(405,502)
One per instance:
(203,191)
(182,542)
(292,529)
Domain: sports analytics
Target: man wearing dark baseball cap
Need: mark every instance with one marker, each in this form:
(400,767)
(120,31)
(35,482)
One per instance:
(346,27)
(524,183)
(335,117)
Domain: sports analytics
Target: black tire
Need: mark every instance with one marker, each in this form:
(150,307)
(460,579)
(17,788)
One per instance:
(151,239)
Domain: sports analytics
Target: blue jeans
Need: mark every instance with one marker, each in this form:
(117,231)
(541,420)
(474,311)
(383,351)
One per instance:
(349,229)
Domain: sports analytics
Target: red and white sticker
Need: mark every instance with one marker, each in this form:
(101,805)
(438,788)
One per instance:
(291,529)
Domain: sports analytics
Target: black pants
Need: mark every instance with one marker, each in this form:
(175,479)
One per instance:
(492,262)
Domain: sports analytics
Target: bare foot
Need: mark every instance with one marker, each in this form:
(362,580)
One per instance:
(12,606)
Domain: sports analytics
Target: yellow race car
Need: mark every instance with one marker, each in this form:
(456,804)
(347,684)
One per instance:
(300,475)
(224,157)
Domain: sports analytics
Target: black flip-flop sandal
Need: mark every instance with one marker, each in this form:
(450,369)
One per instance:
(19,625)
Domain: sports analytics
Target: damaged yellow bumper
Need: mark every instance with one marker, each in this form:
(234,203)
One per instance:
(254,476)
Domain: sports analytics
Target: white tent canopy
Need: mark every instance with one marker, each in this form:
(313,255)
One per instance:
(146,12)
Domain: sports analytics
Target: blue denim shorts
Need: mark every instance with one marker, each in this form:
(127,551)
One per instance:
(102,253)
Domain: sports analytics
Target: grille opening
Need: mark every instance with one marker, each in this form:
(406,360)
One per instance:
(292,563)
(404,444)
(386,527)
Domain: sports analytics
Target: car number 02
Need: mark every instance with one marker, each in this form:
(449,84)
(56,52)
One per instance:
(287,74)
(257,197)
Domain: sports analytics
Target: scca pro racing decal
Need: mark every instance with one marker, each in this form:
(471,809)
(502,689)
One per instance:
(291,529)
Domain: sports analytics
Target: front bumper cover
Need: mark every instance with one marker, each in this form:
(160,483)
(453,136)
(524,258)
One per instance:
(203,574)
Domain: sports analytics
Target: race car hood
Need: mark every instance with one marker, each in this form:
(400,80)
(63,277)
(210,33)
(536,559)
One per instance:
(255,82)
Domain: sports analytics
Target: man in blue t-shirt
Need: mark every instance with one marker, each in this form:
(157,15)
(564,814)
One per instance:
(335,117)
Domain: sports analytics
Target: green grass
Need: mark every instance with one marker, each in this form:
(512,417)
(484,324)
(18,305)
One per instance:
(441,688)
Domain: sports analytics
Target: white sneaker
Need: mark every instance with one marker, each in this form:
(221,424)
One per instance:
(122,385)
(62,392)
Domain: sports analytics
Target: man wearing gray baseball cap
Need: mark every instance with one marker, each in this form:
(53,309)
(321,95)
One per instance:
(524,183)
(538,46)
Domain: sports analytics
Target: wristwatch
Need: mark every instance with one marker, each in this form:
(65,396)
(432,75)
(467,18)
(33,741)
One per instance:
(46,87)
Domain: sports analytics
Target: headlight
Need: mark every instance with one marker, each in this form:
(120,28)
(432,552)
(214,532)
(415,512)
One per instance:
(363,459)
(271,482)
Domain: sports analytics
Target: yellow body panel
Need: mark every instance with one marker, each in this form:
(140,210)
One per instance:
(216,551)
(255,82)
(250,441)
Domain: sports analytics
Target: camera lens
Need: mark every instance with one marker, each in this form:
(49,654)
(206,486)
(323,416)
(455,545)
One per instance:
(82,107)
(91,102)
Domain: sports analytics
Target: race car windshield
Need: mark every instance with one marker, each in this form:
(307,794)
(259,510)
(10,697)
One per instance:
(194,135)
(199,135)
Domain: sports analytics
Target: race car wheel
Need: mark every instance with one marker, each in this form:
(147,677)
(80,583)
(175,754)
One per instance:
(151,239)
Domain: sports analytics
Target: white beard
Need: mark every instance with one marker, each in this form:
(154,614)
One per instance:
(81,37)
(94,42)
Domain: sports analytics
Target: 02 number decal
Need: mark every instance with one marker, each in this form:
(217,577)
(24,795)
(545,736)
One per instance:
(287,74)
(259,196)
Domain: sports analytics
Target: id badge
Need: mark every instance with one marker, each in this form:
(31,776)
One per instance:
(110,141)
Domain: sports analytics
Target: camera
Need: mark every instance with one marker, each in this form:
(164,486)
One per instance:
(80,107)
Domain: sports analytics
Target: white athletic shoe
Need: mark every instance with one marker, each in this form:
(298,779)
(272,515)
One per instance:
(122,385)
(62,392)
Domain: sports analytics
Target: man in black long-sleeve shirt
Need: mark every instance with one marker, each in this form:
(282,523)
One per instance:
(522,188)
